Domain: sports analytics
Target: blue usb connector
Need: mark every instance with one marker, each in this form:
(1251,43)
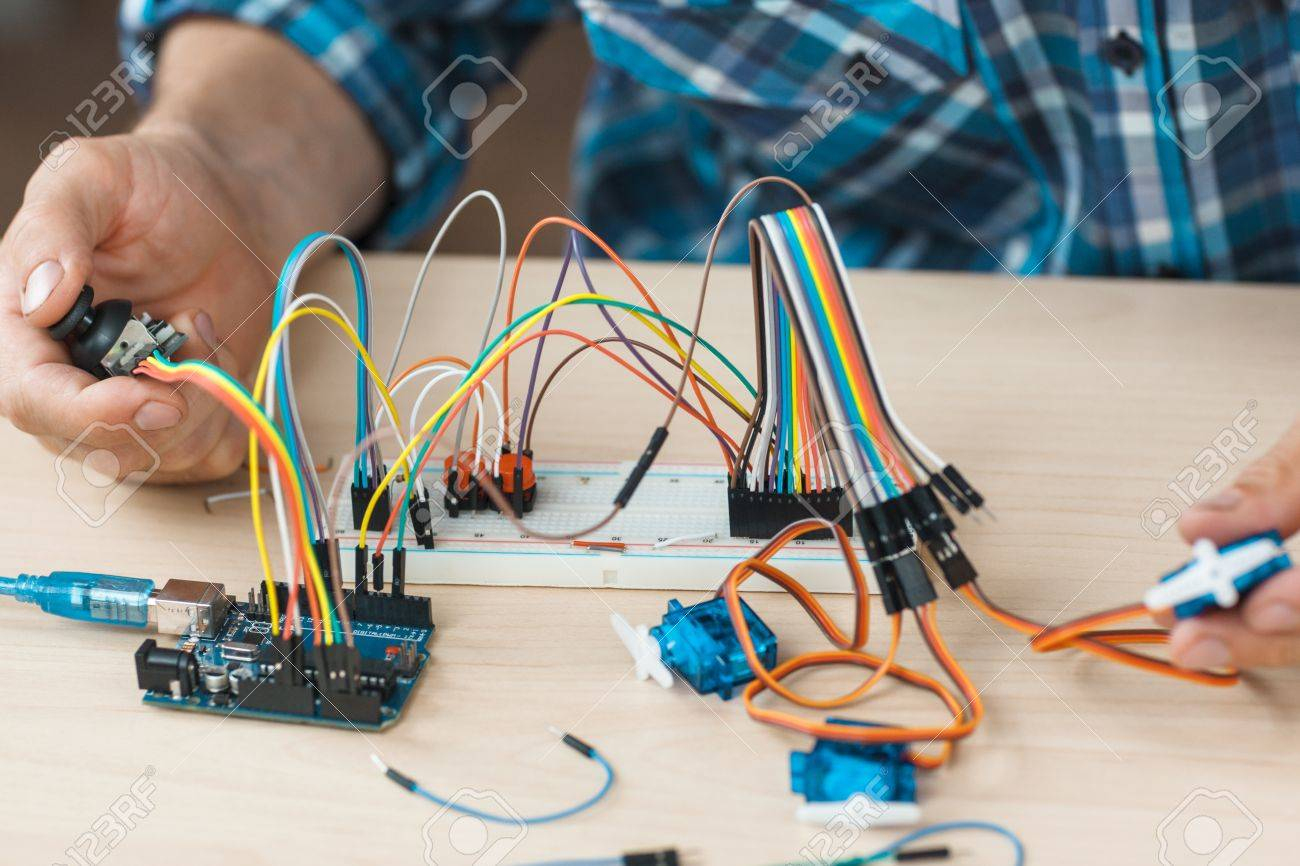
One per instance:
(103,598)
(178,607)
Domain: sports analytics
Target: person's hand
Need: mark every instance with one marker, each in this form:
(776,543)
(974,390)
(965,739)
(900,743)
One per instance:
(145,217)
(247,147)
(1264,630)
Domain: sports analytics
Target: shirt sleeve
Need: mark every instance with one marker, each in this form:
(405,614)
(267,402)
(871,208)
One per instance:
(420,71)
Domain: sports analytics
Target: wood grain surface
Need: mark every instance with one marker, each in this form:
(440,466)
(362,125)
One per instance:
(1072,404)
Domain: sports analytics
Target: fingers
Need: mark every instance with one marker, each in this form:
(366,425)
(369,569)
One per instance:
(1265,496)
(1264,630)
(220,458)
(1235,637)
(1274,608)
(201,342)
(134,417)
(203,428)
(58,400)
(65,215)
(210,442)
(83,223)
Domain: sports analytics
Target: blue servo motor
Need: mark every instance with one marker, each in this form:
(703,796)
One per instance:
(699,644)
(834,771)
(1219,576)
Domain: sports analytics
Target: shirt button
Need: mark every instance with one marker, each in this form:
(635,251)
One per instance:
(1123,52)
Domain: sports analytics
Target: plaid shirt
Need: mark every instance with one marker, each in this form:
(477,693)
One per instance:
(1136,138)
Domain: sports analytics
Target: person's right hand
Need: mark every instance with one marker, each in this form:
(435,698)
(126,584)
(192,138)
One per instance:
(1264,630)
(153,217)
(248,146)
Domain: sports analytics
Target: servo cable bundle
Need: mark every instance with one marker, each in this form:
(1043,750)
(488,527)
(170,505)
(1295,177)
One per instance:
(875,457)
(966,711)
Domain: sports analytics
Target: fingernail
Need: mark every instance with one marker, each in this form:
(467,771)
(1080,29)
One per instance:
(1206,653)
(42,281)
(1225,501)
(1276,617)
(207,332)
(157,416)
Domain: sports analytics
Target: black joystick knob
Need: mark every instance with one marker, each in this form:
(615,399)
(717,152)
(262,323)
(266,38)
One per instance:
(105,339)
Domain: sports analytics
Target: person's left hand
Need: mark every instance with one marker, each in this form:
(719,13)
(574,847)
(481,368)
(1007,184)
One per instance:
(1264,630)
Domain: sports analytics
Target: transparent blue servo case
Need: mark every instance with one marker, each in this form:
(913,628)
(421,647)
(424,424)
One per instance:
(700,645)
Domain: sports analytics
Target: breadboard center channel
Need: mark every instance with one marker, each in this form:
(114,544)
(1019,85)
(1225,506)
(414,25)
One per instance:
(674,501)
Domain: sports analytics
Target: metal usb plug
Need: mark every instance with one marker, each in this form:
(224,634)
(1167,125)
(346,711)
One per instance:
(189,607)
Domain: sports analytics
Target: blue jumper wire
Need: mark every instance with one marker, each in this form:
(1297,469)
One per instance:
(887,853)
(363,327)
(547,818)
(893,848)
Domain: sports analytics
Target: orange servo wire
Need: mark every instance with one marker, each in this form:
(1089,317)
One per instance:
(622,266)
(812,447)
(1083,634)
(961,725)
(848,651)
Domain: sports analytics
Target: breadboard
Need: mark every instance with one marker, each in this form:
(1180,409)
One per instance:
(482,547)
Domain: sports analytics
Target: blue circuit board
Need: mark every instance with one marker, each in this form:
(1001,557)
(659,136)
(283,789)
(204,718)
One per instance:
(243,645)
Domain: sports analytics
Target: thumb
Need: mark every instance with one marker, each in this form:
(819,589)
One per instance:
(1265,496)
(52,239)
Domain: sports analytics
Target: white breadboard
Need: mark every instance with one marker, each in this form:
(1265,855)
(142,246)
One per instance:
(482,547)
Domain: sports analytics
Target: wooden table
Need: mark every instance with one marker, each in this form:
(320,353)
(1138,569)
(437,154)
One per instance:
(1072,404)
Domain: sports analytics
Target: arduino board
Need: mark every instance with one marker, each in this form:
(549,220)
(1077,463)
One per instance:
(242,670)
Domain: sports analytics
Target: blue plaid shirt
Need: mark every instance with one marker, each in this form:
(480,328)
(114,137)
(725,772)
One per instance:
(1135,138)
